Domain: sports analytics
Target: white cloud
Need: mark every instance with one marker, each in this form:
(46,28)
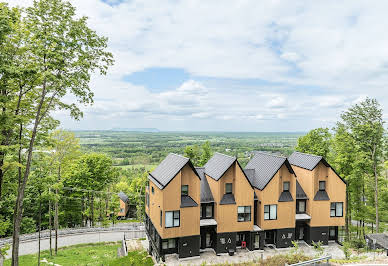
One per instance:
(336,50)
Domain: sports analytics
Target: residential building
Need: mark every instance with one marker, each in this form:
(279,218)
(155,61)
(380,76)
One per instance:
(321,198)
(221,206)
(124,207)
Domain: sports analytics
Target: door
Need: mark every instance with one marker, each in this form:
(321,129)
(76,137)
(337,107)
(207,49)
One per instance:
(255,213)
(332,233)
(270,237)
(256,241)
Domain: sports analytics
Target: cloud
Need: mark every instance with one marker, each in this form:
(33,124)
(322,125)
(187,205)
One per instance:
(316,59)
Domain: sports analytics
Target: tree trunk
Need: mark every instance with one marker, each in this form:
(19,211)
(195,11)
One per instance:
(92,210)
(18,212)
(376,199)
(50,228)
(56,222)
(1,171)
(40,221)
(347,214)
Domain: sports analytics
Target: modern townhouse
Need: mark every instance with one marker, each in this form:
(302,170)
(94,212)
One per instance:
(274,182)
(221,206)
(321,198)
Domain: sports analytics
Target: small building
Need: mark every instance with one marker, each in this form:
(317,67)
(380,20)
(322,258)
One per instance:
(124,205)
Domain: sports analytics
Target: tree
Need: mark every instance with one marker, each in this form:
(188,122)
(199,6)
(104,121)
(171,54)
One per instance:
(193,153)
(364,122)
(316,142)
(206,153)
(62,52)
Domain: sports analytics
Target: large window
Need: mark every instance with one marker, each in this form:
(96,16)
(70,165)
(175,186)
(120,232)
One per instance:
(336,209)
(228,188)
(184,190)
(169,243)
(322,185)
(270,212)
(244,213)
(301,206)
(286,186)
(172,219)
(209,211)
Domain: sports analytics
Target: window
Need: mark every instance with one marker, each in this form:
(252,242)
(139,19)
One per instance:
(331,232)
(161,218)
(152,189)
(286,186)
(209,211)
(172,219)
(228,188)
(200,212)
(322,185)
(336,209)
(243,213)
(184,190)
(121,210)
(270,212)
(301,206)
(168,243)
(147,199)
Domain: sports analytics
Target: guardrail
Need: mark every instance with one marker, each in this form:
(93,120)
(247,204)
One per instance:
(311,262)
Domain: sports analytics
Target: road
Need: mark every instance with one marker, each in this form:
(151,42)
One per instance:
(31,246)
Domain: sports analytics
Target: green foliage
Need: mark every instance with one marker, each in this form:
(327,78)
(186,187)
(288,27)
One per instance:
(317,142)
(199,155)
(28,225)
(346,249)
(134,258)
(318,247)
(357,243)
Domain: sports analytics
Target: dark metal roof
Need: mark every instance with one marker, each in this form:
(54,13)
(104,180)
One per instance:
(250,173)
(123,196)
(300,194)
(285,197)
(321,195)
(168,169)
(187,201)
(265,166)
(227,199)
(206,193)
(255,196)
(218,164)
(306,161)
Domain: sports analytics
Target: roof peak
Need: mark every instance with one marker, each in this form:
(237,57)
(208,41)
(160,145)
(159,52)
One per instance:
(179,155)
(234,157)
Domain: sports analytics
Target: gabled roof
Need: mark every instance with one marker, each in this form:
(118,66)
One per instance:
(206,193)
(123,196)
(187,201)
(321,195)
(300,194)
(285,197)
(227,199)
(218,164)
(306,161)
(309,161)
(264,167)
(168,169)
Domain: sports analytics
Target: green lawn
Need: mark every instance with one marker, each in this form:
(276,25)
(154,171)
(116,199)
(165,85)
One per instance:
(88,254)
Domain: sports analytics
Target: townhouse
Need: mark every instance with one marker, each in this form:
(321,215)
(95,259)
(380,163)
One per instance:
(221,206)
(322,196)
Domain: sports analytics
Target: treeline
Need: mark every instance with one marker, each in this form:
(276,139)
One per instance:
(47,53)
(357,148)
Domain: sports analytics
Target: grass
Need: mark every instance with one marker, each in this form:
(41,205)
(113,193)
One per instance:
(353,259)
(134,258)
(276,260)
(86,254)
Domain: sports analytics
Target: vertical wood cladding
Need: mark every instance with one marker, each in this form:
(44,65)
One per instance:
(335,188)
(270,195)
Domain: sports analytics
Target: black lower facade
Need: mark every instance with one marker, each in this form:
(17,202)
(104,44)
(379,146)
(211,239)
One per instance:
(281,238)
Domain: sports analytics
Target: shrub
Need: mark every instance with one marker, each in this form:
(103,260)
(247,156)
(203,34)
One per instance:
(346,249)
(358,243)
(318,247)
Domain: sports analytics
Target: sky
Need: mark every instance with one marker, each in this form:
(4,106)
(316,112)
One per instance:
(234,65)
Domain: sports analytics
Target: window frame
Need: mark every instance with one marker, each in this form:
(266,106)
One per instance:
(335,209)
(187,191)
(288,183)
(153,190)
(246,215)
(298,208)
(231,188)
(175,217)
(209,207)
(270,206)
(319,185)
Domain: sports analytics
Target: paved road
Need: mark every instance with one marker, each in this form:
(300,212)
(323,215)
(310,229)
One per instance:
(31,246)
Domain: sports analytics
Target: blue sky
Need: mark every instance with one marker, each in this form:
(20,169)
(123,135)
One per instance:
(235,66)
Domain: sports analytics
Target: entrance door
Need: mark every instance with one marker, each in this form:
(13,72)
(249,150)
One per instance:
(332,233)
(256,241)
(301,233)
(255,213)
(270,237)
(240,237)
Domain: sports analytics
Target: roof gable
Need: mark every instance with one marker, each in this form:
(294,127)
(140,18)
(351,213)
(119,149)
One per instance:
(265,166)
(300,194)
(218,165)
(168,169)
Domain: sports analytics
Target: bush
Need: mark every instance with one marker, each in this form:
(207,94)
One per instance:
(28,225)
(346,249)
(318,247)
(358,243)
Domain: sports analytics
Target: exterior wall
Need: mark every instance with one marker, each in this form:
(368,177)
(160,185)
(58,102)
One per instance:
(124,207)
(168,199)
(270,195)
(335,188)
(226,215)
